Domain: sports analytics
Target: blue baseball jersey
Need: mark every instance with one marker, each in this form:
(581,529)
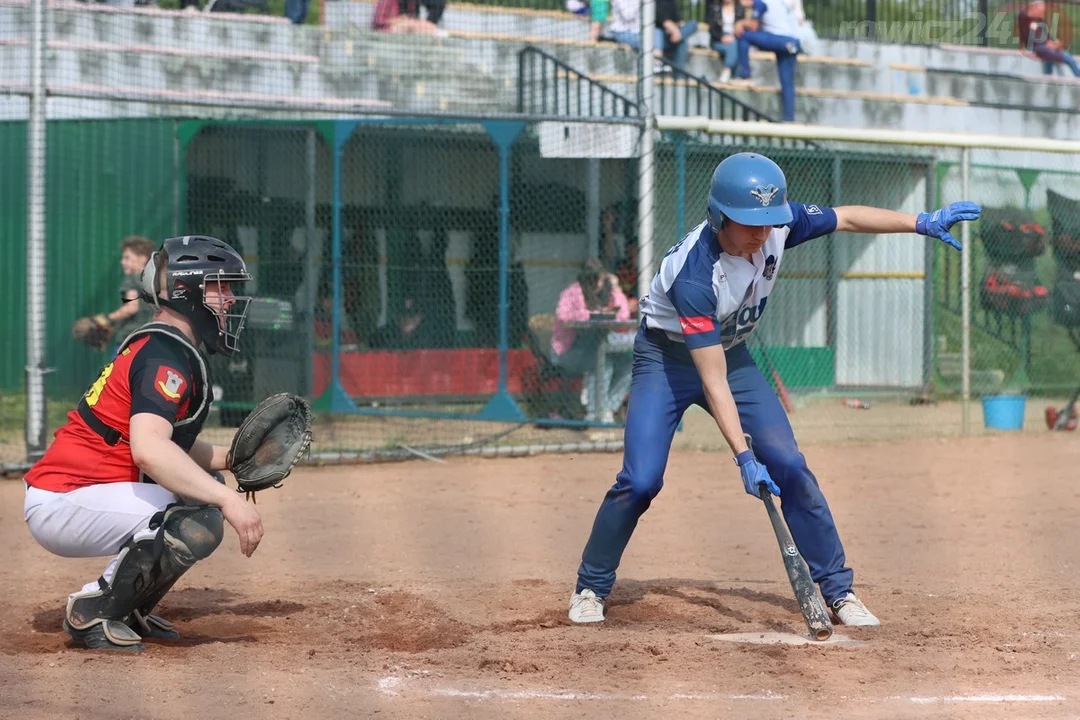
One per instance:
(702,296)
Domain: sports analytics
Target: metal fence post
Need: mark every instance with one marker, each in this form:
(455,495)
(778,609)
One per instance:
(646,166)
(35,241)
(965,299)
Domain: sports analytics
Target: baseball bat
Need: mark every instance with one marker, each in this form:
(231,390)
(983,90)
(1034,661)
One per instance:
(806,594)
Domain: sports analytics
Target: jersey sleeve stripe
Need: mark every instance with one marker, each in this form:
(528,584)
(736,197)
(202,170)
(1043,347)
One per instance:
(695,325)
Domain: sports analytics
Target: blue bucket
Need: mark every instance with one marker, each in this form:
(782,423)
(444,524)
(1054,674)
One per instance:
(1003,412)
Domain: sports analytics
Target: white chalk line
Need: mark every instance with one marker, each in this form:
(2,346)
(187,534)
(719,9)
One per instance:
(392,684)
(985,699)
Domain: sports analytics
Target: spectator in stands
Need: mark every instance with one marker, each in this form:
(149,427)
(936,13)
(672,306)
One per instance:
(296,10)
(403,16)
(722,14)
(773,28)
(672,34)
(596,291)
(1034,32)
(623,23)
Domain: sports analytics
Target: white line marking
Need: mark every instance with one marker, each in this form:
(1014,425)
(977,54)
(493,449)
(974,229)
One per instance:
(391,684)
(573,695)
(387,685)
(985,699)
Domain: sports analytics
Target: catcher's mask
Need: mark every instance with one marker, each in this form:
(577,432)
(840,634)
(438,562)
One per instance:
(191,266)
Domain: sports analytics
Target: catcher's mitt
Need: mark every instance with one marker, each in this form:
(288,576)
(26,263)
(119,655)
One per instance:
(270,442)
(94,331)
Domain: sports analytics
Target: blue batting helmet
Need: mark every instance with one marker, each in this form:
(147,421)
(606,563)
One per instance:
(751,190)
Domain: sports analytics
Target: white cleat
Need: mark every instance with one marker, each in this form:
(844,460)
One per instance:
(585,607)
(851,611)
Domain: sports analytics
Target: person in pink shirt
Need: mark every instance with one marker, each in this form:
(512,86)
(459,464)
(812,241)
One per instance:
(596,291)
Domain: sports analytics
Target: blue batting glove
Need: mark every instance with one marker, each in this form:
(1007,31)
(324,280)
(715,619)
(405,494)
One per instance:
(754,474)
(937,224)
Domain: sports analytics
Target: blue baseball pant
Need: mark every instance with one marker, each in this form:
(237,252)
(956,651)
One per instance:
(665,383)
(783,47)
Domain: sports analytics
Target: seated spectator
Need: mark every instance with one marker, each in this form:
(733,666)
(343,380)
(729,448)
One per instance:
(1035,38)
(771,27)
(672,34)
(578,7)
(296,11)
(403,16)
(722,35)
(623,23)
(596,291)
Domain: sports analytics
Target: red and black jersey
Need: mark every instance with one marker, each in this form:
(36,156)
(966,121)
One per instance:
(154,373)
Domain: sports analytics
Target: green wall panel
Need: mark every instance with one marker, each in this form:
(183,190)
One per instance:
(106,179)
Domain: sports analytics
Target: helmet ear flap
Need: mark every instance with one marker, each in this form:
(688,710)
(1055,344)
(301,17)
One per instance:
(149,280)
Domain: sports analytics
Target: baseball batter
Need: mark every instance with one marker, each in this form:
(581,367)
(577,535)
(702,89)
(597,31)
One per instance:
(127,475)
(708,295)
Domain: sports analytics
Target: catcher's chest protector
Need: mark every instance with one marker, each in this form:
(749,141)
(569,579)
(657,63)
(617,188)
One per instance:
(187,429)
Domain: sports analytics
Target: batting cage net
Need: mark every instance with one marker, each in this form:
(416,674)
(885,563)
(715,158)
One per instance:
(421,208)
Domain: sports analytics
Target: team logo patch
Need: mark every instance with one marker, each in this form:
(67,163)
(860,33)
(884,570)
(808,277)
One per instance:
(169,383)
(765,194)
(695,325)
(813,210)
(770,267)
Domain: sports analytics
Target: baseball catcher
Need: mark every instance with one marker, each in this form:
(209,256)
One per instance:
(127,476)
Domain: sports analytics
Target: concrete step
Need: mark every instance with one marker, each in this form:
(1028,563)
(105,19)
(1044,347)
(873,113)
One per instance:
(1014,91)
(955,57)
(67,66)
(176,79)
(826,107)
(101,23)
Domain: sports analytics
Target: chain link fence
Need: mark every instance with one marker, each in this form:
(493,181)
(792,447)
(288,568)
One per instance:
(1025,308)
(849,327)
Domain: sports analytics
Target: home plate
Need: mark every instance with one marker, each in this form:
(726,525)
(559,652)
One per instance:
(779,638)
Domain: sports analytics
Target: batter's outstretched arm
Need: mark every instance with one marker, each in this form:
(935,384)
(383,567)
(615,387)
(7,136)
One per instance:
(863,219)
(872,220)
(712,367)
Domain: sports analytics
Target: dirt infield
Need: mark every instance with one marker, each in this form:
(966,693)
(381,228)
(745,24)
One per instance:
(440,590)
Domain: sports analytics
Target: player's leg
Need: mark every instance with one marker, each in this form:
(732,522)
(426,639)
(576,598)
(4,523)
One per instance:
(785,68)
(664,383)
(802,502)
(93,521)
(149,564)
(128,519)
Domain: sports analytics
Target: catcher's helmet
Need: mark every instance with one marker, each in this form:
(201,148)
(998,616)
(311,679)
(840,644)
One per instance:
(751,190)
(189,263)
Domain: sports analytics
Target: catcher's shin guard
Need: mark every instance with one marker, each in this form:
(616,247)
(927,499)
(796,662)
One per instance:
(149,565)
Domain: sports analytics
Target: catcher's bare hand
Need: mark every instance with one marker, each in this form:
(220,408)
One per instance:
(246,521)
